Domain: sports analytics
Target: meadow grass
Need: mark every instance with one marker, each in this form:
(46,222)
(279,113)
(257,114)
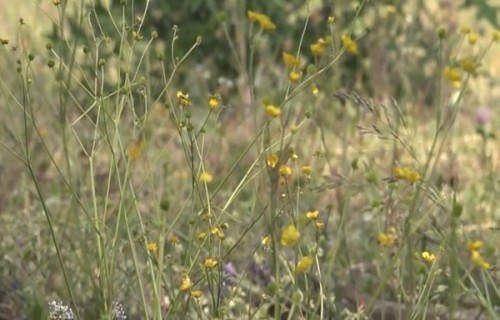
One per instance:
(141,185)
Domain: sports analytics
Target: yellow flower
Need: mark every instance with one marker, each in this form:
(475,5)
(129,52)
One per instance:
(475,245)
(213,101)
(206,177)
(312,214)
(294,76)
(263,20)
(453,74)
(388,238)
(349,44)
(314,89)
(290,60)
(273,111)
(266,240)
(285,170)
(304,264)
(317,49)
(210,263)
(478,260)
(465,30)
(469,65)
(196,294)
(305,170)
(472,37)
(331,19)
(202,236)
(496,36)
(134,149)
(253,16)
(391,9)
(407,174)
(272,160)
(152,247)
(428,257)
(183,99)
(318,225)
(289,236)
(185,283)
(216,231)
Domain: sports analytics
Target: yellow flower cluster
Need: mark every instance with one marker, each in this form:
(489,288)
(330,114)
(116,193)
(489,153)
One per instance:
(428,257)
(387,239)
(477,259)
(318,47)
(349,44)
(152,247)
(289,236)
(134,149)
(453,75)
(183,99)
(260,18)
(272,111)
(405,173)
(206,177)
(304,264)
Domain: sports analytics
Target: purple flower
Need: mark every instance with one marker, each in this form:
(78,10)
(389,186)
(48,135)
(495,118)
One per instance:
(229,273)
(482,116)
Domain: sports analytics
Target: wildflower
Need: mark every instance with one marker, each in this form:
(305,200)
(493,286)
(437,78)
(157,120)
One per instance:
(305,170)
(391,9)
(202,236)
(482,116)
(318,47)
(465,30)
(272,160)
(290,60)
(134,149)
(216,231)
(263,20)
(314,89)
(60,311)
(118,311)
(469,65)
(229,274)
(289,236)
(210,263)
(304,264)
(183,99)
(185,283)
(472,37)
(496,36)
(478,260)
(312,214)
(428,257)
(407,174)
(331,19)
(206,177)
(294,76)
(266,240)
(152,247)
(318,225)
(213,101)
(273,111)
(285,170)
(349,44)
(453,74)
(388,238)
(475,245)
(196,294)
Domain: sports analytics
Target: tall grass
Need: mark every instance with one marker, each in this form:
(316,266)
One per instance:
(152,192)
